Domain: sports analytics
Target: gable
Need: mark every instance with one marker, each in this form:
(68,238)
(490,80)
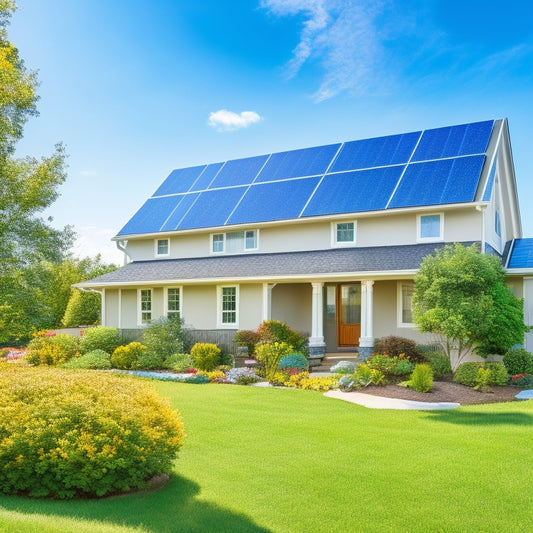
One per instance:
(425,168)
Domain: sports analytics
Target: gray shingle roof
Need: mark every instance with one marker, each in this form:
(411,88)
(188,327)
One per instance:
(277,265)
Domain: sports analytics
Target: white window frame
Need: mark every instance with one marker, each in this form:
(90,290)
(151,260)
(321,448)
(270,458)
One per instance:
(334,231)
(399,300)
(156,248)
(179,312)
(244,250)
(220,323)
(140,311)
(419,237)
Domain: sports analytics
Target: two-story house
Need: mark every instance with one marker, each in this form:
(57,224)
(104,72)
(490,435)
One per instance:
(327,239)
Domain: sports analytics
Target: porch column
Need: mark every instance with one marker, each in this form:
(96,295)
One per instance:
(317,346)
(366,341)
(267,300)
(102,308)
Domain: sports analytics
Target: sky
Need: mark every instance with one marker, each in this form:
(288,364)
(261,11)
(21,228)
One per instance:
(135,89)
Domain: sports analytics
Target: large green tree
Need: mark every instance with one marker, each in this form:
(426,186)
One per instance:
(460,296)
(27,187)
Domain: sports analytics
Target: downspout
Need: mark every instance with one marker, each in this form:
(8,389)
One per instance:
(482,209)
(121,245)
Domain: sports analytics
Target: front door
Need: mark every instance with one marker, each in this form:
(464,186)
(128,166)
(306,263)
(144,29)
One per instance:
(348,314)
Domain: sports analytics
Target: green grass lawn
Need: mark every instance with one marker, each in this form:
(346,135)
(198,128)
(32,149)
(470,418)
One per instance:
(288,460)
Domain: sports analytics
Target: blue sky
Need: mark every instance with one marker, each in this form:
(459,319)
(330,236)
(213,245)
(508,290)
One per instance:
(135,89)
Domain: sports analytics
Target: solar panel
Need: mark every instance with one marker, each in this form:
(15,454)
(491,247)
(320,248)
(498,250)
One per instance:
(490,182)
(452,141)
(522,254)
(212,208)
(150,217)
(179,212)
(274,201)
(298,163)
(352,192)
(378,152)
(239,172)
(179,180)
(206,177)
(445,181)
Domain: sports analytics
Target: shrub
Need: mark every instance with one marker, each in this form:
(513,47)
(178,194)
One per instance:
(248,338)
(164,337)
(205,356)
(270,354)
(440,363)
(179,362)
(395,346)
(525,381)
(343,367)
(518,361)
(404,366)
(498,374)
(483,379)
(100,338)
(364,375)
(303,381)
(275,331)
(422,378)
(293,360)
(126,357)
(383,362)
(97,359)
(78,433)
(241,376)
(53,350)
(148,360)
(467,374)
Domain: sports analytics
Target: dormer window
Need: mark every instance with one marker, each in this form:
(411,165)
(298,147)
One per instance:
(430,227)
(234,242)
(162,248)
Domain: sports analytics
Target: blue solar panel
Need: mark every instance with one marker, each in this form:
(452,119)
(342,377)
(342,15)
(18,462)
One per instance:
(446,181)
(179,180)
(298,163)
(467,139)
(378,152)
(239,172)
(206,177)
(151,215)
(212,208)
(522,254)
(274,201)
(352,192)
(179,212)
(490,182)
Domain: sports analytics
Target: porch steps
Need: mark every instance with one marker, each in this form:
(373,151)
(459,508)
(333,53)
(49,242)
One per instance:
(332,359)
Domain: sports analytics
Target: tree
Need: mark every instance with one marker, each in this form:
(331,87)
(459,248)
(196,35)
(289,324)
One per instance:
(460,296)
(27,187)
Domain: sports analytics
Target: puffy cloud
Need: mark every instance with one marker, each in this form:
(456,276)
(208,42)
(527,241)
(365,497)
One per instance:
(92,241)
(224,120)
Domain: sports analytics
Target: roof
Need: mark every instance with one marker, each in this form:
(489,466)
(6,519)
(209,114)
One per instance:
(521,254)
(423,168)
(356,261)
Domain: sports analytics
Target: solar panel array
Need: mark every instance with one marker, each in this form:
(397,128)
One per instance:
(522,254)
(431,167)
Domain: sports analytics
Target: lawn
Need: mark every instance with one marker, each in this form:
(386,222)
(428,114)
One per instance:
(278,460)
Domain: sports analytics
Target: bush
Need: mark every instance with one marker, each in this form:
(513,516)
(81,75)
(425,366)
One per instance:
(179,362)
(395,346)
(248,338)
(422,378)
(164,337)
(383,362)
(242,376)
(97,359)
(483,379)
(275,331)
(498,374)
(364,375)
(467,374)
(404,366)
(83,433)
(148,360)
(205,356)
(440,363)
(293,360)
(52,350)
(303,381)
(518,361)
(525,381)
(126,357)
(270,354)
(100,338)
(343,367)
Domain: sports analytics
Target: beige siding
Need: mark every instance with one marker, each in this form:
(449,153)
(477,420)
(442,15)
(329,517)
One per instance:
(292,303)
(200,306)
(250,306)
(129,308)
(111,308)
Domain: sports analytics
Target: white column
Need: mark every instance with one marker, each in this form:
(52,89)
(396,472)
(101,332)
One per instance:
(316,341)
(102,309)
(366,341)
(267,300)
(120,309)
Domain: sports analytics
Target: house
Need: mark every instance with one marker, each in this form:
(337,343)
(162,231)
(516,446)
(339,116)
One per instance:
(327,239)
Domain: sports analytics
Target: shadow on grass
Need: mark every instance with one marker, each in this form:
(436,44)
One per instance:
(481,419)
(174,508)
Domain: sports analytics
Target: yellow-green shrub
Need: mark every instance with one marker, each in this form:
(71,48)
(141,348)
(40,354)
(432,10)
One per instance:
(205,356)
(126,357)
(303,381)
(53,350)
(82,433)
(270,354)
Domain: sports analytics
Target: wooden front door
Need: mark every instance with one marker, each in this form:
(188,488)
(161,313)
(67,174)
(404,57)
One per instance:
(348,314)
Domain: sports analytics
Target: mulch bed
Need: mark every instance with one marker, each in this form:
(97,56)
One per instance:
(446,391)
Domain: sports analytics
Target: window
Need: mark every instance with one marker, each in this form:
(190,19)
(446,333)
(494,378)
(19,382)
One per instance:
(173,302)
(234,242)
(430,227)
(228,306)
(497,224)
(343,233)
(162,247)
(405,304)
(145,306)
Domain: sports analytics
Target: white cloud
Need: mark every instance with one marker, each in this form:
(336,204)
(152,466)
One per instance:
(92,241)
(342,35)
(224,120)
